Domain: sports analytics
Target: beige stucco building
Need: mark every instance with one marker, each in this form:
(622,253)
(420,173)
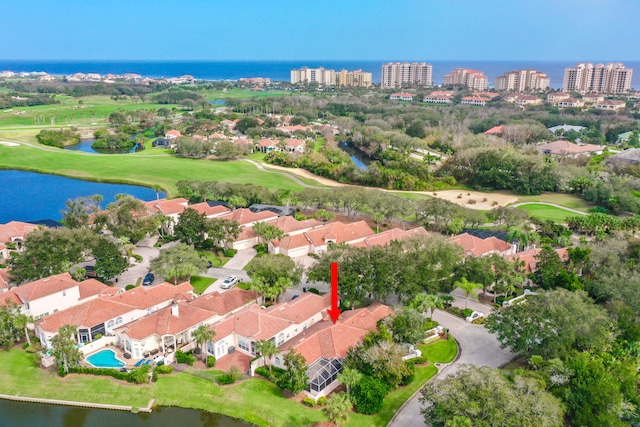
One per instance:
(523,81)
(599,78)
(405,74)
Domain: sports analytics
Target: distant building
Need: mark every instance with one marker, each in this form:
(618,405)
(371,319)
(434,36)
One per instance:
(402,97)
(556,97)
(523,81)
(404,74)
(471,79)
(258,81)
(439,97)
(356,78)
(599,78)
(308,75)
(522,100)
(611,105)
(569,149)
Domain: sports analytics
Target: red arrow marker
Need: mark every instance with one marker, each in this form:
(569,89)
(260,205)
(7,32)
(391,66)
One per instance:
(334,312)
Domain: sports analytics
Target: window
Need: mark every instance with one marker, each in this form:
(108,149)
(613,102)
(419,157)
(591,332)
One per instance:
(110,324)
(119,321)
(243,344)
(64,293)
(280,339)
(277,361)
(26,305)
(127,345)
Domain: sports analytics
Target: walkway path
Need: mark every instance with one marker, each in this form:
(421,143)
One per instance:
(515,205)
(476,347)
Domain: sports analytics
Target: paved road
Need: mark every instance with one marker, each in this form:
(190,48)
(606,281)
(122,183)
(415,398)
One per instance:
(477,347)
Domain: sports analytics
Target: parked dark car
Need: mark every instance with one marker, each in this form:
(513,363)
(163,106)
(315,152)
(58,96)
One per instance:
(148,279)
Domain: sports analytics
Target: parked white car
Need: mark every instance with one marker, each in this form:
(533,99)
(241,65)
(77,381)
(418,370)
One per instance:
(474,316)
(229,282)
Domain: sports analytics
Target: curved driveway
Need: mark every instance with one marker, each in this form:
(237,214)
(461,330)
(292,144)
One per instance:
(477,347)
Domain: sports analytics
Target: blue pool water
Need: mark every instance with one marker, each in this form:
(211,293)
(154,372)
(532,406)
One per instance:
(105,359)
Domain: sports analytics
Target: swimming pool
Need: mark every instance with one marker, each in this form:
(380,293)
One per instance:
(105,359)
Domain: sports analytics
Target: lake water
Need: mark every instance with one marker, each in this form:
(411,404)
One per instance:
(20,414)
(30,196)
(86,147)
(359,159)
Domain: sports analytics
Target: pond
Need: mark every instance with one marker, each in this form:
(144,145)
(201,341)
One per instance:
(21,414)
(31,196)
(357,157)
(86,147)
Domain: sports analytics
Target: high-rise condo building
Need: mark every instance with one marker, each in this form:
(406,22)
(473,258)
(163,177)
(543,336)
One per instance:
(404,74)
(523,81)
(471,79)
(320,75)
(353,78)
(599,78)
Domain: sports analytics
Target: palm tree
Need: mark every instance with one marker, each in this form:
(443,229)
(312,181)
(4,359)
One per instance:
(468,288)
(203,335)
(337,409)
(21,321)
(427,302)
(236,201)
(349,377)
(377,217)
(98,198)
(267,349)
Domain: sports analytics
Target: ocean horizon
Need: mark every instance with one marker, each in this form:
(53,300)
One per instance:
(280,70)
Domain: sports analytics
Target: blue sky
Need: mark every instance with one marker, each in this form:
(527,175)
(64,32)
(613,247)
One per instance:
(320,29)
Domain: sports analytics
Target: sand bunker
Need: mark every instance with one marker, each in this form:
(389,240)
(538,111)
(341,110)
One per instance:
(9,144)
(476,199)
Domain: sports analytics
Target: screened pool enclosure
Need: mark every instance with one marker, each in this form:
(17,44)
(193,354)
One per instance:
(322,373)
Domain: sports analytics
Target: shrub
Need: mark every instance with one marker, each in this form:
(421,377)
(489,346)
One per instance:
(368,395)
(309,402)
(430,324)
(322,400)
(207,244)
(154,376)
(262,249)
(229,253)
(418,360)
(182,357)
(97,337)
(25,345)
(407,379)
(314,291)
(467,312)
(211,361)
(262,371)
(137,257)
(128,287)
(164,369)
(447,300)
(225,379)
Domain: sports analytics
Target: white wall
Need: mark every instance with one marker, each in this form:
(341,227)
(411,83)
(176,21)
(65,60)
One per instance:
(54,302)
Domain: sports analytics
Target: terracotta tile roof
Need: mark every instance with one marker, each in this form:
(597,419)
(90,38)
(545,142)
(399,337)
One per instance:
(475,246)
(246,233)
(4,279)
(173,132)
(340,232)
(224,303)
(568,148)
(300,309)
(529,257)
(404,95)
(295,128)
(217,136)
(44,287)
(268,143)
(167,207)
(89,314)
(292,142)
(92,287)
(292,242)
(496,130)
(289,224)
(245,216)
(11,296)
(210,211)
(15,229)
(141,297)
(326,339)
(386,237)
(163,321)
(242,141)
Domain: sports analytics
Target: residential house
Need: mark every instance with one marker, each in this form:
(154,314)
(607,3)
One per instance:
(476,246)
(268,145)
(293,145)
(55,293)
(476,101)
(210,211)
(172,134)
(569,149)
(611,105)
(630,157)
(171,209)
(570,103)
(280,210)
(325,344)
(439,97)
(290,227)
(172,327)
(100,316)
(12,235)
(4,282)
(593,98)
(246,218)
(529,259)
(316,240)
(522,100)
(556,97)
(496,131)
(296,128)
(407,97)
(396,234)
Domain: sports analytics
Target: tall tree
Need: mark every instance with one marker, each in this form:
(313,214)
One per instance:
(65,348)
(427,303)
(337,408)
(128,217)
(468,288)
(191,227)
(202,334)
(9,329)
(349,377)
(486,397)
(178,262)
(110,260)
(553,324)
(78,212)
(295,377)
(223,231)
(267,349)
(276,271)
(21,321)
(267,232)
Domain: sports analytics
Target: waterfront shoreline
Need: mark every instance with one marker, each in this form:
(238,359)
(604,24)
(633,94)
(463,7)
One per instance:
(132,409)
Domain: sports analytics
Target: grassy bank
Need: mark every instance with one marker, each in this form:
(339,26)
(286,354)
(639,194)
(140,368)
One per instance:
(546,212)
(140,168)
(255,400)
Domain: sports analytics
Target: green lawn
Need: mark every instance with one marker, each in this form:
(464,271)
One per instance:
(546,212)
(567,200)
(254,400)
(216,260)
(237,93)
(443,351)
(149,167)
(200,284)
